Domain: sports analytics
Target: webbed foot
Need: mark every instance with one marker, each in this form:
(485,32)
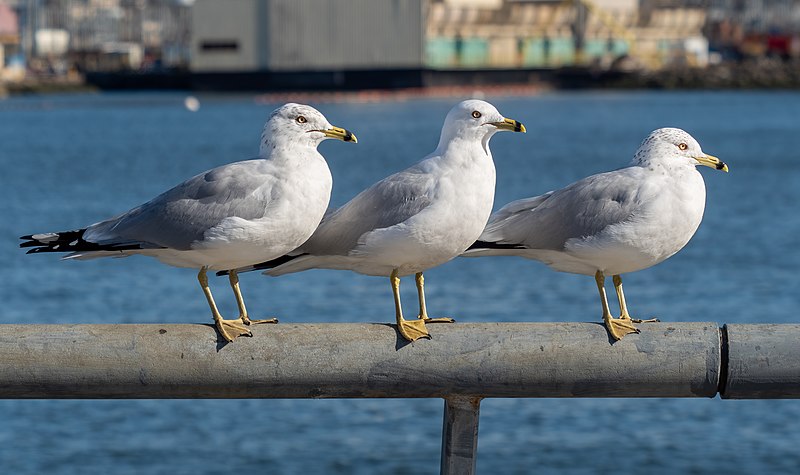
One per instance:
(232,329)
(412,330)
(619,327)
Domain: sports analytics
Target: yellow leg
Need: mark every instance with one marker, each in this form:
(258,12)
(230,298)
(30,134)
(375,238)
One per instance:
(423,312)
(623,307)
(234,279)
(617,327)
(229,329)
(410,330)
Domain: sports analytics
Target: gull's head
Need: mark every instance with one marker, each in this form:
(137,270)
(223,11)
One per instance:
(299,124)
(670,148)
(478,120)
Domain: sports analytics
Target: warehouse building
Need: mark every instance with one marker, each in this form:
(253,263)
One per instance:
(293,44)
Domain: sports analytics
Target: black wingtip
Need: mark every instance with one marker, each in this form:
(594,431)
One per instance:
(493,245)
(267,264)
(40,249)
(70,241)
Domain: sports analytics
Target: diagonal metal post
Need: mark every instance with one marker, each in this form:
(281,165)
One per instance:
(460,435)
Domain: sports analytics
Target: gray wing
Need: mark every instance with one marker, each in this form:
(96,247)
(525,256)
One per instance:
(388,202)
(582,209)
(181,215)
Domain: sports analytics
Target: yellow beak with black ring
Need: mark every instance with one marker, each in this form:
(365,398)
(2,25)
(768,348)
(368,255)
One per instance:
(712,162)
(510,124)
(340,134)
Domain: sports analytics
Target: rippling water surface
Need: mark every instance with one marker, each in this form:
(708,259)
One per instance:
(68,161)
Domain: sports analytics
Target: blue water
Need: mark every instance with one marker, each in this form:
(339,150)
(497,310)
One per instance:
(68,161)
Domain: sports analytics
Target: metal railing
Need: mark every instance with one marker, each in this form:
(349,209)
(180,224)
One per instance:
(462,363)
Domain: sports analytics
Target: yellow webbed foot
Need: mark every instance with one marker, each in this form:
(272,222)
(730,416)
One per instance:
(648,320)
(626,316)
(427,319)
(619,327)
(413,330)
(246,320)
(232,329)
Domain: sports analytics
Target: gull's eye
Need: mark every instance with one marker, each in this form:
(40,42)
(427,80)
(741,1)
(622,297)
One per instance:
(682,146)
(476,114)
(301,119)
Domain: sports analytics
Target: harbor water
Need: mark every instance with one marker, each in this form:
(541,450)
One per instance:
(69,161)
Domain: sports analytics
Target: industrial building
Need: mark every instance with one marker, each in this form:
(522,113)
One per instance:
(354,43)
(288,35)
(287,44)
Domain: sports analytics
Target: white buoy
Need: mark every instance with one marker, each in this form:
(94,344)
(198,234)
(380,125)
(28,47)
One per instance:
(192,103)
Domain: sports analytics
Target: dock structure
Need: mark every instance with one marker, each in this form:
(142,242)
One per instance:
(462,364)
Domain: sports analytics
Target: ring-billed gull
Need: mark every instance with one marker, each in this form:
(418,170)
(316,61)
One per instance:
(227,217)
(611,223)
(415,219)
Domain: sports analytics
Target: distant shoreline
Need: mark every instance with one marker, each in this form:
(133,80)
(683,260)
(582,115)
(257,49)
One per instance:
(376,86)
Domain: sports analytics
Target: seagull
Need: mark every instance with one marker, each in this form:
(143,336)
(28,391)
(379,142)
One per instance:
(416,219)
(227,217)
(611,223)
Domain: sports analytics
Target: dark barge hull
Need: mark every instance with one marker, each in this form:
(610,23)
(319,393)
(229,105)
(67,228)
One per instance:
(345,80)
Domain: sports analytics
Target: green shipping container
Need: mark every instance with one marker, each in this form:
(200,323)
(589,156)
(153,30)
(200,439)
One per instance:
(440,52)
